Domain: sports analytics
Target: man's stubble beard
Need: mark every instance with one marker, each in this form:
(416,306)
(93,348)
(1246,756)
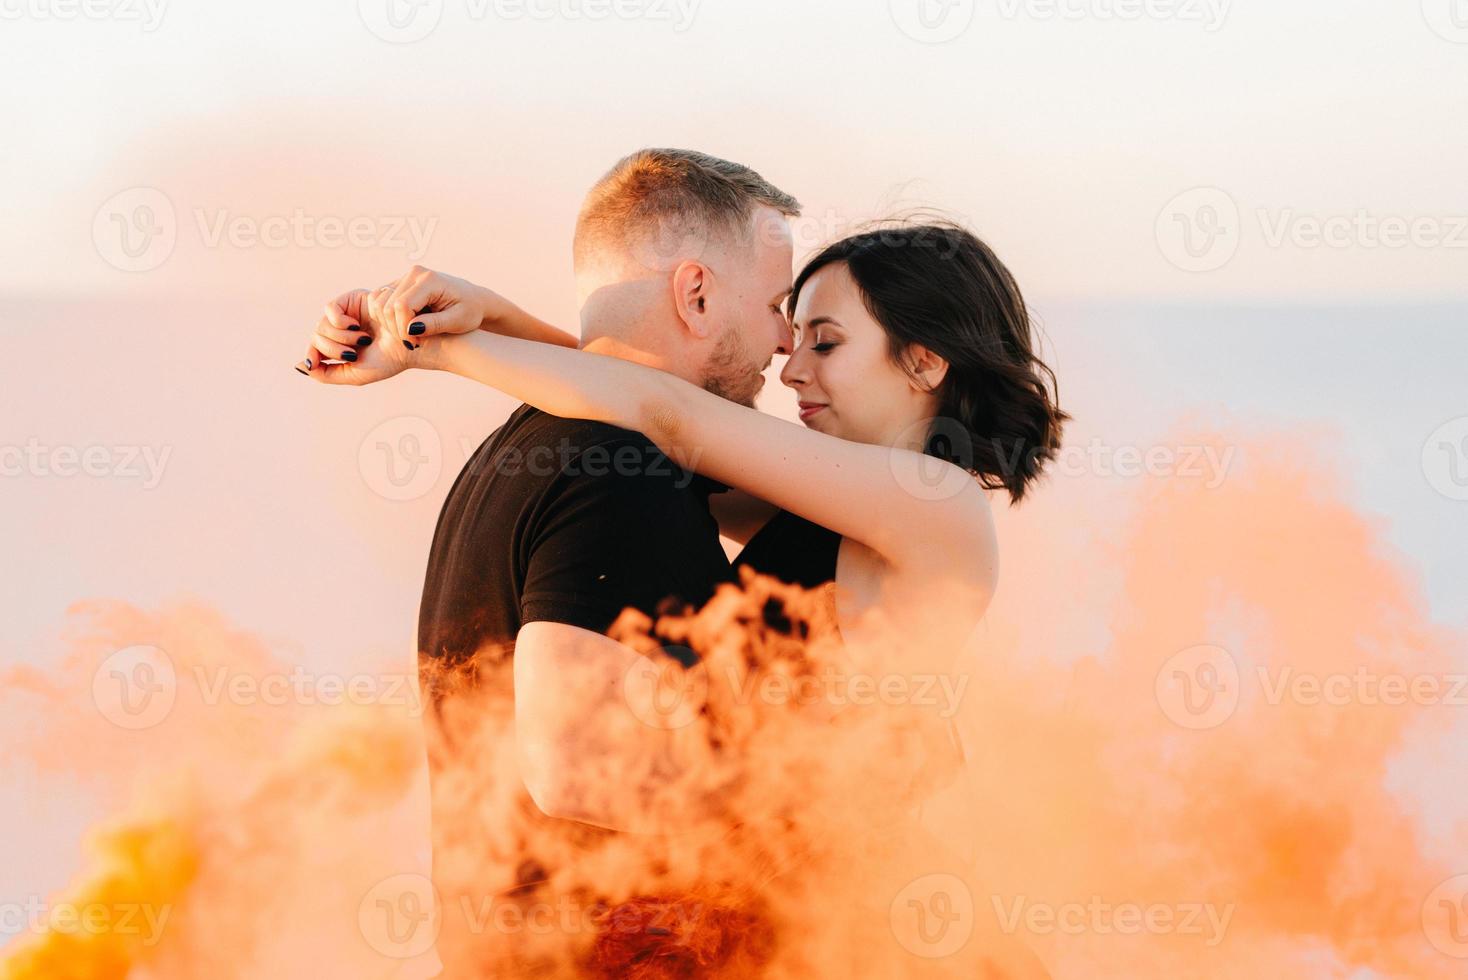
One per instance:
(730,373)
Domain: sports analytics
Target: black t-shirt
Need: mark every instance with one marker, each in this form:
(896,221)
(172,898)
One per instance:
(565,521)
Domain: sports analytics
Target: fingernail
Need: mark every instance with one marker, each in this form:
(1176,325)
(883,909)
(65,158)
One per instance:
(309,365)
(302,370)
(363,340)
(416,329)
(349,355)
(410,345)
(354,326)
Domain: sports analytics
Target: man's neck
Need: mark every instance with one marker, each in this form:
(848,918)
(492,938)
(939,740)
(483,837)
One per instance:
(614,347)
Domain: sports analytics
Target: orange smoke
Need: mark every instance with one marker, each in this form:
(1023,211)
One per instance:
(1178,722)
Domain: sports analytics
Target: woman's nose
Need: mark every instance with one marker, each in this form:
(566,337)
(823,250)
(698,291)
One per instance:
(794,374)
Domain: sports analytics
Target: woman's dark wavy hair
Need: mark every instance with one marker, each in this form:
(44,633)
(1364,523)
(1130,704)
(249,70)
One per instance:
(938,285)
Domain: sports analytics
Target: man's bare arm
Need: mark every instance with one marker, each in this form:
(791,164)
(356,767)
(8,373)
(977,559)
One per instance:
(595,740)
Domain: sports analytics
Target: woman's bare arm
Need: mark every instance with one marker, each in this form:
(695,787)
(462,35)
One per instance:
(913,510)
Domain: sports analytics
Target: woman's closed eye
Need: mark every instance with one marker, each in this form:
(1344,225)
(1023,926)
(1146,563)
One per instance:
(823,348)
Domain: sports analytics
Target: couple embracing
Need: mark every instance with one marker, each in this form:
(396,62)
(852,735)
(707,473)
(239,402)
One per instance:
(921,398)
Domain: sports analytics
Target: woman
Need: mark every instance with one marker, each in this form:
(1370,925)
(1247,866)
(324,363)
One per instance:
(919,388)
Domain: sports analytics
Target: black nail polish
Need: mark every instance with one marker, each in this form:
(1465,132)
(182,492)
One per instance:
(416,329)
(349,355)
(363,340)
(354,326)
(309,365)
(302,370)
(409,344)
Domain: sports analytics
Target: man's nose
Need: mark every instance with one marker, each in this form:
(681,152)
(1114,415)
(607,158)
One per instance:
(785,341)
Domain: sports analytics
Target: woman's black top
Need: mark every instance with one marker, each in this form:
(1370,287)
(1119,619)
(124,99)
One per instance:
(793,550)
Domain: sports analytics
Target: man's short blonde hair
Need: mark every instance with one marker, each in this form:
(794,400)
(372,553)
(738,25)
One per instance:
(660,198)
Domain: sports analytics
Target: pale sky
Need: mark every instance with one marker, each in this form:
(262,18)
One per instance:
(1062,136)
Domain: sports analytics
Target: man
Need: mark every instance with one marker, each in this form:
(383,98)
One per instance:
(682,263)
(554,526)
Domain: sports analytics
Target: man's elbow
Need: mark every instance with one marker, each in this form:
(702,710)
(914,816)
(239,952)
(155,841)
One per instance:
(551,795)
(550,787)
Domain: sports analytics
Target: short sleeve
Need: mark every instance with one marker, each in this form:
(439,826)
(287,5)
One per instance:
(604,542)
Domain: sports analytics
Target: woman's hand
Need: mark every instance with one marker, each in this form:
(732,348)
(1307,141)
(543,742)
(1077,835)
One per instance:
(424,303)
(350,345)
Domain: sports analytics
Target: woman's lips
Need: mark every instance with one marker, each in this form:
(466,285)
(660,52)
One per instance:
(807,409)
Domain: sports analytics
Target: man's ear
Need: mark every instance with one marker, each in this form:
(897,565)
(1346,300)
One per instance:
(928,369)
(691,282)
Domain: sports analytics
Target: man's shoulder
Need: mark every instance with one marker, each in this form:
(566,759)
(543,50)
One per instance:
(529,427)
(536,448)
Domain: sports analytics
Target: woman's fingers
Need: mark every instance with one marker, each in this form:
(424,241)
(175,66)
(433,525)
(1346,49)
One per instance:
(346,339)
(396,309)
(376,303)
(420,289)
(449,321)
(345,312)
(339,335)
(447,305)
(332,350)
